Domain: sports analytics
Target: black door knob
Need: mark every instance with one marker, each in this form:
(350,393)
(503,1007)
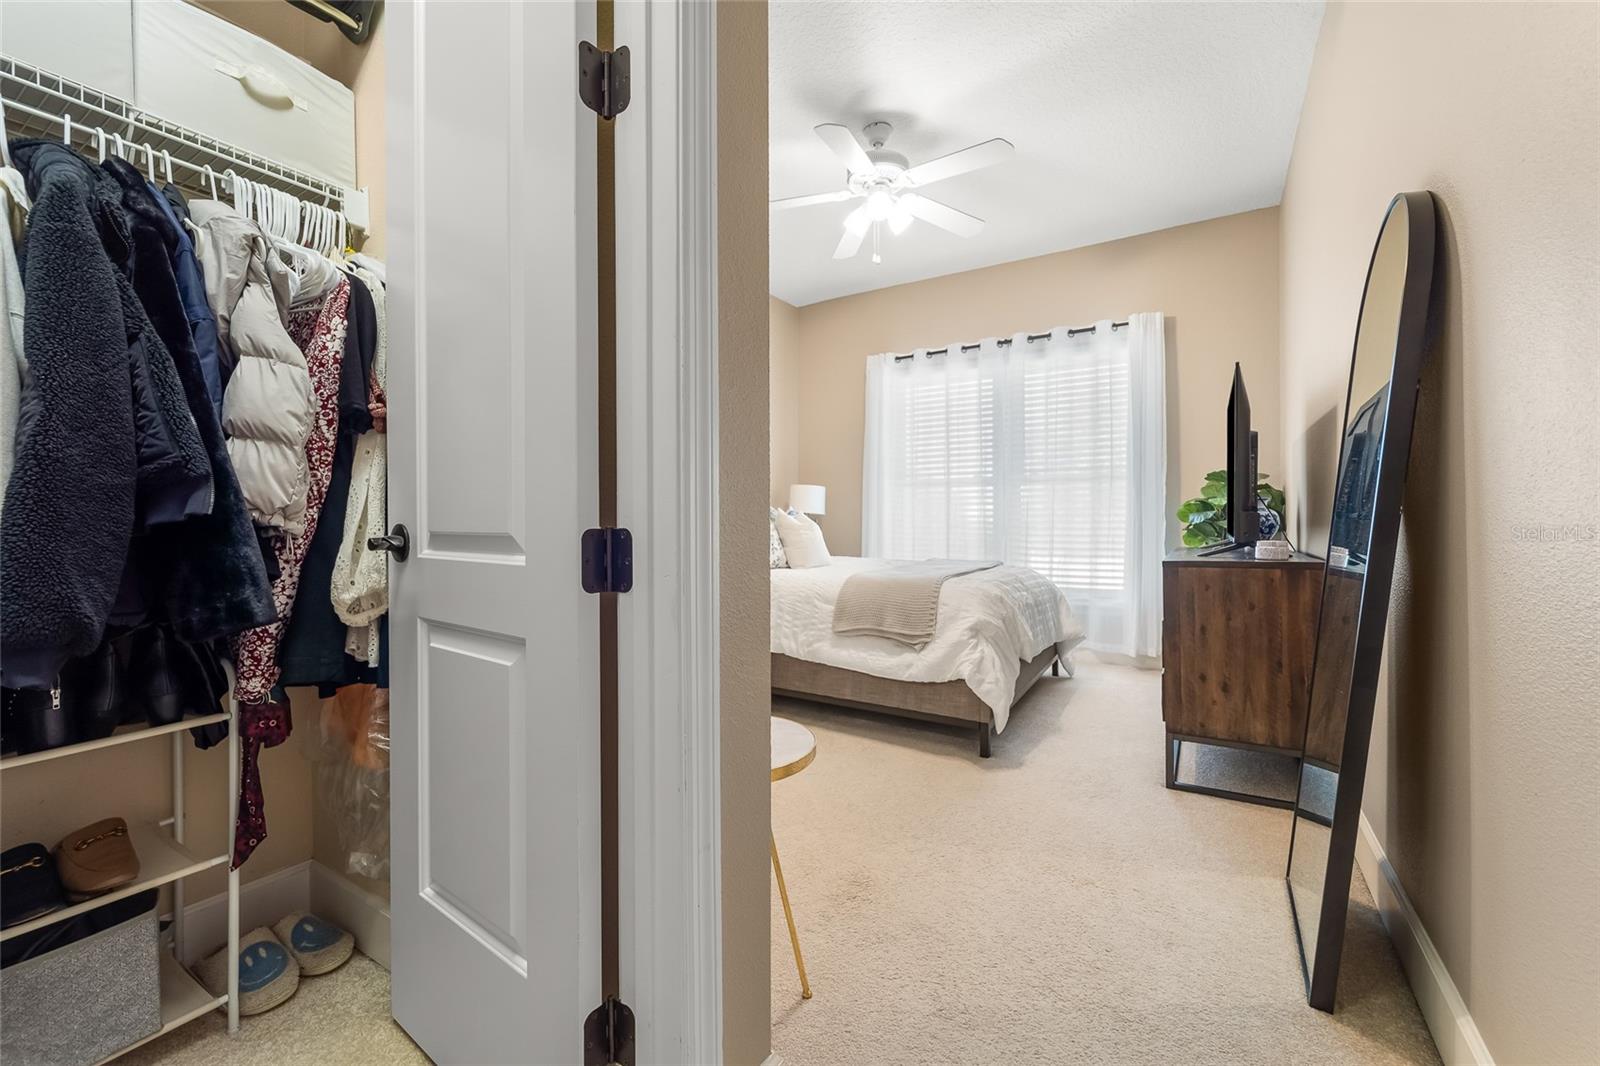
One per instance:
(397,543)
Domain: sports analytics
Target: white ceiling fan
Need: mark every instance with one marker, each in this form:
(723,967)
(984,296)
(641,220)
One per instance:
(887,181)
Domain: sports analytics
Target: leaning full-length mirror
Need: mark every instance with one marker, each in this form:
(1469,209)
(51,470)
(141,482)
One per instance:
(1385,372)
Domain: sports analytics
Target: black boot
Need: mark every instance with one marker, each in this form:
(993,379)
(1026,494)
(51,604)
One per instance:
(173,679)
(38,719)
(92,690)
(154,675)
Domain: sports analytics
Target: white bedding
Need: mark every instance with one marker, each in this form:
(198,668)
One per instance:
(989,623)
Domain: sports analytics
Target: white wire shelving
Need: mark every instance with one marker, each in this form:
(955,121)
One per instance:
(40,103)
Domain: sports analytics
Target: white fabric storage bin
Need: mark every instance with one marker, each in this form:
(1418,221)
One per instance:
(200,71)
(81,1003)
(90,41)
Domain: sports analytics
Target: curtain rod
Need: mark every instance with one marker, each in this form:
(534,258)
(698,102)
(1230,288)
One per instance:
(1003,341)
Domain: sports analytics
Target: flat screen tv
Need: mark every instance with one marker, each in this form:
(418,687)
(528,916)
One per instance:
(1244,527)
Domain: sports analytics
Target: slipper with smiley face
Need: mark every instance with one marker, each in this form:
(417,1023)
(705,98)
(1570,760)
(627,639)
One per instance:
(268,972)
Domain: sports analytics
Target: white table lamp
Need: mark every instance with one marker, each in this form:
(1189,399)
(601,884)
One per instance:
(808,499)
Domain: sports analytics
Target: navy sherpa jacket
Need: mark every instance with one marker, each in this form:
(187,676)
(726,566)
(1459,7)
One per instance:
(104,435)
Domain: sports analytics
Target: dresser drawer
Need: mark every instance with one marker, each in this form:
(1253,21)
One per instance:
(205,73)
(1237,643)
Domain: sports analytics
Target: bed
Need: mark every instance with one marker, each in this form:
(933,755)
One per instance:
(998,630)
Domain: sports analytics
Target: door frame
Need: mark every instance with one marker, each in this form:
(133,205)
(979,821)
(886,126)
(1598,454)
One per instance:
(669,716)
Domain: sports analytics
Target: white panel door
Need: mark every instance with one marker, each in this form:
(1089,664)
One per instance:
(493,453)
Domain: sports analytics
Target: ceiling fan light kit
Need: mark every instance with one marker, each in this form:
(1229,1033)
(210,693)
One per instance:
(885,180)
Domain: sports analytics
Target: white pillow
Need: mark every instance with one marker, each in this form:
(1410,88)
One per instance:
(802,540)
(776,560)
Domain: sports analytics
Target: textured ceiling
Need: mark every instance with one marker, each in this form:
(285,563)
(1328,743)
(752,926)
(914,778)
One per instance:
(1127,118)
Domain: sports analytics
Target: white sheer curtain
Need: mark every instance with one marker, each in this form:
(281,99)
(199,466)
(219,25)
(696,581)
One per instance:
(1048,454)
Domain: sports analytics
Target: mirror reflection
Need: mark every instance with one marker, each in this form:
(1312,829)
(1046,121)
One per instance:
(1349,540)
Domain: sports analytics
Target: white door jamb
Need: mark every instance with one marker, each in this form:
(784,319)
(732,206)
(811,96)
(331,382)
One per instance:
(669,717)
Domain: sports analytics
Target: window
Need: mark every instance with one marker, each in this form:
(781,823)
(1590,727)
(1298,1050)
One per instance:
(1037,454)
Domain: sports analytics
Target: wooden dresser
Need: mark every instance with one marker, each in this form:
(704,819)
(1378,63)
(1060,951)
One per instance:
(1237,637)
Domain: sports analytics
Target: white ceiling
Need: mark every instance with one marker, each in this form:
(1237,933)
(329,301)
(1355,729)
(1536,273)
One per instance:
(1127,118)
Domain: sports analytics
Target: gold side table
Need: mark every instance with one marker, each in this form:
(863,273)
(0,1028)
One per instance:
(793,749)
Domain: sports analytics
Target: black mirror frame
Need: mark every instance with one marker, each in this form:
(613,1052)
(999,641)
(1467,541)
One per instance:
(1405,380)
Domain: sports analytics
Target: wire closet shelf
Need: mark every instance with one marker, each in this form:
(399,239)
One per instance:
(39,103)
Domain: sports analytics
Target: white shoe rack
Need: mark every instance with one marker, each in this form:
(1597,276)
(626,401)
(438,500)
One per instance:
(164,860)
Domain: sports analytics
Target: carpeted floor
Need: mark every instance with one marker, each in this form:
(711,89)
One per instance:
(341,1017)
(1052,904)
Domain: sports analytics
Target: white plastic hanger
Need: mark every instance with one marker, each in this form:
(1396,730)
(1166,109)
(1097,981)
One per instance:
(66,129)
(150,163)
(5,144)
(166,157)
(291,216)
(100,143)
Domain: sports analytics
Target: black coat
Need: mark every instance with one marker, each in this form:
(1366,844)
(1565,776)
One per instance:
(104,434)
(205,575)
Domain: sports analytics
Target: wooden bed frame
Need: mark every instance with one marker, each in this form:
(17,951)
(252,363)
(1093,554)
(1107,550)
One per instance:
(950,702)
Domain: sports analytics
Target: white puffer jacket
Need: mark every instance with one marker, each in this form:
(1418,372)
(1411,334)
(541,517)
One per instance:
(268,407)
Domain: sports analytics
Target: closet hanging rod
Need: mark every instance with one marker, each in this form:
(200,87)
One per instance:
(136,149)
(46,97)
(1003,341)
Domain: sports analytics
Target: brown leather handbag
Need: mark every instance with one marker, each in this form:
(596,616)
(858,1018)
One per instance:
(96,859)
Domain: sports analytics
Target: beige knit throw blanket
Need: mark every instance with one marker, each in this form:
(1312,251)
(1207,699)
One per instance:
(900,601)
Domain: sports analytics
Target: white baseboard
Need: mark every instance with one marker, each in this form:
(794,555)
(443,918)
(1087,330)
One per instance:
(307,886)
(1454,1031)
(353,908)
(261,902)
(773,1059)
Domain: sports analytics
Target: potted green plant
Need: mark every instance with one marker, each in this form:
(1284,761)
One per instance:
(1205,520)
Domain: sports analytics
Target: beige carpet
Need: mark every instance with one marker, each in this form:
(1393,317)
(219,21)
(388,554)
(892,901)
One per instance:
(341,1017)
(1052,904)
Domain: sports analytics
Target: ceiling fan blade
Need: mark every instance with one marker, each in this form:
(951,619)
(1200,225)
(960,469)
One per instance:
(816,198)
(856,225)
(843,143)
(976,157)
(958,222)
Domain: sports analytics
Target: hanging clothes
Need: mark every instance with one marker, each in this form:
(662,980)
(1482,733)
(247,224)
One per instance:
(192,291)
(206,573)
(13,363)
(269,405)
(105,436)
(360,586)
(320,331)
(313,647)
(375,266)
(265,720)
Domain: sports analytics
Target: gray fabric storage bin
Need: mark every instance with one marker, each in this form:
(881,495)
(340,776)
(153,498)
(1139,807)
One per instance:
(78,1004)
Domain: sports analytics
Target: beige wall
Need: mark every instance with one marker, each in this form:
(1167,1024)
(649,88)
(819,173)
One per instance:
(1481,786)
(1216,281)
(784,403)
(742,345)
